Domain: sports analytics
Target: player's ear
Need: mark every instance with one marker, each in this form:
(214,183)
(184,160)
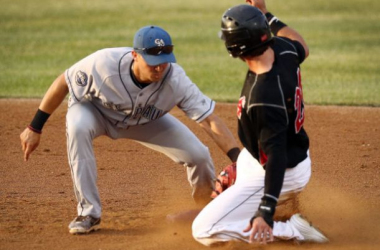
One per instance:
(134,54)
(137,57)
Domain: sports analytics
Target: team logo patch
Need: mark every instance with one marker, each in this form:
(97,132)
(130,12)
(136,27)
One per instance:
(240,106)
(159,42)
(81,78)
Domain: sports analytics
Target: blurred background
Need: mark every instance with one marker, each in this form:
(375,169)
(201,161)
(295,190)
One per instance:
(39,39)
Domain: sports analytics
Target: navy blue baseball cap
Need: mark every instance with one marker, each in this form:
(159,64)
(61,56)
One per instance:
(154,44)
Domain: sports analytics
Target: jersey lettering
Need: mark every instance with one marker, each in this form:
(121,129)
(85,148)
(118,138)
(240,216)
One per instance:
(299,106)
(240,106)
(263,157)
(149,112)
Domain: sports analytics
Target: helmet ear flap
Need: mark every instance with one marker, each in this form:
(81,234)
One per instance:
(221,35)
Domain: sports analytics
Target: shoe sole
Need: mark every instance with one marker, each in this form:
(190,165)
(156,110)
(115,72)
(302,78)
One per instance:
(317,236)
(82,231)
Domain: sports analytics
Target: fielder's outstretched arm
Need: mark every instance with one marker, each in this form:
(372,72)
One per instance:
(222,136)
(30,137)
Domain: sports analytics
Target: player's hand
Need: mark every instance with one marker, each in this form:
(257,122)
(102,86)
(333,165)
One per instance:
(29,142)
(261,231)
(260,4)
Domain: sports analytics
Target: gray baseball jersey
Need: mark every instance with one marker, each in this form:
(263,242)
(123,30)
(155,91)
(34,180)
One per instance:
(104,77)
(105,100)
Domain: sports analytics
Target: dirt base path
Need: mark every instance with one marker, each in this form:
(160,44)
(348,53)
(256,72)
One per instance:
(139,187)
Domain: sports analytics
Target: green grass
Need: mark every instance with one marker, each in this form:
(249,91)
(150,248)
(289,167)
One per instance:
(39,39)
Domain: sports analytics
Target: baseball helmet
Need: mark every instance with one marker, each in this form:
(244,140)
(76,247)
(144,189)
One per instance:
(244,29)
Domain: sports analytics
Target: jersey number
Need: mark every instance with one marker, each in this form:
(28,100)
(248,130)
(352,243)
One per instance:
(299,106)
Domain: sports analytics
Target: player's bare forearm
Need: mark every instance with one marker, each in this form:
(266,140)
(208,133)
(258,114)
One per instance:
(294,35)
(220,133)
(55,95)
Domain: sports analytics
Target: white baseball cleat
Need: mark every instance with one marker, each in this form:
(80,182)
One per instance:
(310,233)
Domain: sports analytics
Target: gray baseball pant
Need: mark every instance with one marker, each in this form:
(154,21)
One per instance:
(167,135)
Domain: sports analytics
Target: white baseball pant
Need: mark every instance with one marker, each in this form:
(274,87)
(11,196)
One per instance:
(225,218)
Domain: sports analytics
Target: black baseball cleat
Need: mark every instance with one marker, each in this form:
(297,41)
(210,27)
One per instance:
(84,225)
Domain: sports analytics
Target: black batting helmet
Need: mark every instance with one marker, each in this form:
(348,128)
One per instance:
(244,29)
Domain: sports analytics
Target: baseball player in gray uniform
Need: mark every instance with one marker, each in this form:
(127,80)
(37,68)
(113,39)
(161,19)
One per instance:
(128,93)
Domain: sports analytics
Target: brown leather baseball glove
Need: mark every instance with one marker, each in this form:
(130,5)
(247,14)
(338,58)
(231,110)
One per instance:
(225,179)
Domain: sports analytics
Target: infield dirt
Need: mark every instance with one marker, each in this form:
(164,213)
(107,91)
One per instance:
(139,187)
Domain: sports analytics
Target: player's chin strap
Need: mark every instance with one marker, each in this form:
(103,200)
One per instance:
(266,209)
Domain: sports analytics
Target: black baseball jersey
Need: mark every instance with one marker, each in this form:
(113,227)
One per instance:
(271,114)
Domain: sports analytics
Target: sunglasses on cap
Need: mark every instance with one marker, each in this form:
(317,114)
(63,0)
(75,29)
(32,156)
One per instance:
(157,50)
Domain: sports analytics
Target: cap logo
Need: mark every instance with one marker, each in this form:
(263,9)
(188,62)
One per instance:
(159,42)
